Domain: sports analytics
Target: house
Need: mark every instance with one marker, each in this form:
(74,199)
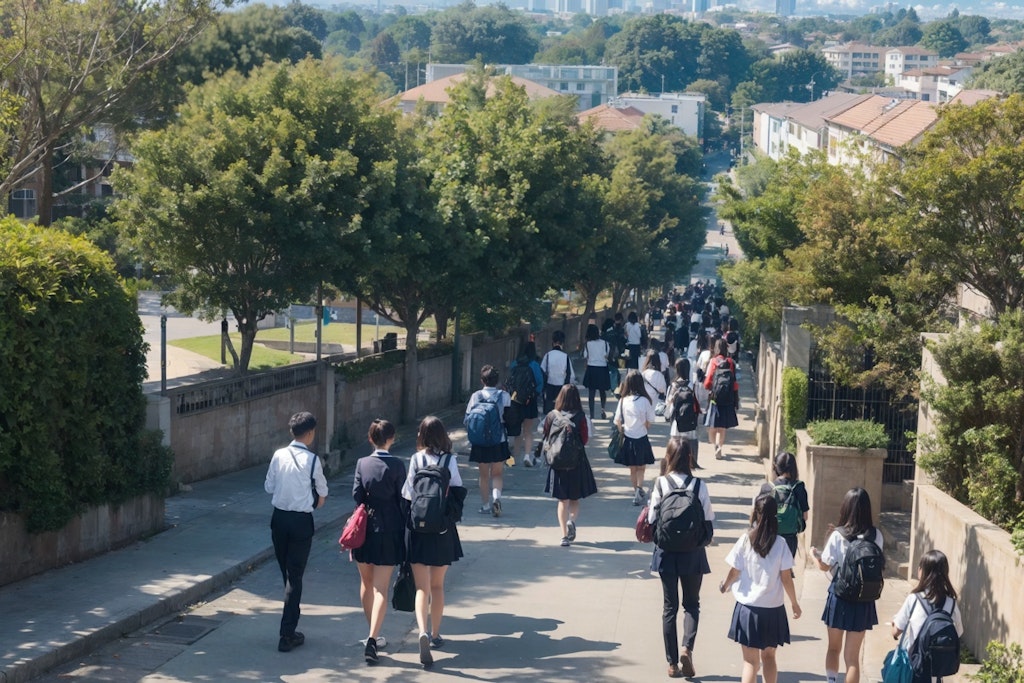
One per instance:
(435,93)
(612,118)
(855,59)
(800,126)
(590,85)
(877,128)
(934,84)
(683,110)
(901,59)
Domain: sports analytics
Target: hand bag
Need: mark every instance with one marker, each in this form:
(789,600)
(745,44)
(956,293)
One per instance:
(896,668)
(354,534)
(403,594)
(644,529)
(615,444)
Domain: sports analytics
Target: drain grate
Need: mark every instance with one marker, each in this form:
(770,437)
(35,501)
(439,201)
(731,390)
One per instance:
(186,631)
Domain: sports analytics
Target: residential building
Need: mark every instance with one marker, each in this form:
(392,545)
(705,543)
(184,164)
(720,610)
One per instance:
(934,84)
(435,93)
(612,118)
(683,110)
(785,8)
(876,129)
(901,59)
(855,59)
(590,85)
(780,127)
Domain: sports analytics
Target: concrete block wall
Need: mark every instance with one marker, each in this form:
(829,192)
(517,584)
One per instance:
(360,402)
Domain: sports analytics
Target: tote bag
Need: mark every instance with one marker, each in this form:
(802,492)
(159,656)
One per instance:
(896,667)
(403,595)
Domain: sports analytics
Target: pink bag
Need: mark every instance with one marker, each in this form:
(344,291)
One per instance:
(354,534)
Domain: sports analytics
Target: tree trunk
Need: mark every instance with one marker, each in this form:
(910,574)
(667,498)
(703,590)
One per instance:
(441,321)
(45,203)
(230,346)
(248,330)
(591,304)
(410,394)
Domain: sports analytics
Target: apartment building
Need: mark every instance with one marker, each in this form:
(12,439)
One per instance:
(901,59)
(781,127)
(855,59)
(934,84)
(590,85)
(683,110)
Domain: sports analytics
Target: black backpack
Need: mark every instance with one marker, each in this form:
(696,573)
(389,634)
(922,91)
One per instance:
(521,384)
(428,507)
(722,383)
(680,519)
(563,446)
(684,412)
(935,651)
(859,578)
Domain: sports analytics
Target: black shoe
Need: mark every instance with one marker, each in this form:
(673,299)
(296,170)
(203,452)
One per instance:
(370,651)
(289,643)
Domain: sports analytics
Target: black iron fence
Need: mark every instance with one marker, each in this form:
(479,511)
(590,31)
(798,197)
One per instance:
(828,400)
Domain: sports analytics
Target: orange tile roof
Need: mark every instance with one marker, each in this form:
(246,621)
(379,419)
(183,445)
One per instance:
(891,122)
(436,92)
(970,97)
(611,118)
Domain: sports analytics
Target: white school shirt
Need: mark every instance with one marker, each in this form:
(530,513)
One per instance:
(633,333)
(673,430)
(596,353)
(633,412)
(760,581)
(288,478)
(421,460)
(553,364)
(661,487)
(912,623)
(836,546)
(654,383)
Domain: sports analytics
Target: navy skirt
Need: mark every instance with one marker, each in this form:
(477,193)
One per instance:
(435,550)
(597,378)
(848,616)
(635,452)
(759,627)
(573,484)
(382,548)
(724,418)
(484,454)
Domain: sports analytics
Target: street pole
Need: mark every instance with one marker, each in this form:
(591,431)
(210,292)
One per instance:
(319,319)
(455,361)
(740,163)
(163,355)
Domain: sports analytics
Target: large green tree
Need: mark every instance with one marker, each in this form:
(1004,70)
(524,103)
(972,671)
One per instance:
(943,37)
(492,33)
(1003,74)
(246,197)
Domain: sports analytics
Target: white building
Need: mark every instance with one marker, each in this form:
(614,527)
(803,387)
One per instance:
(590,85)
(899,60)
(781,127)
(935,84)
(683,110)
(877,128)
(855,59)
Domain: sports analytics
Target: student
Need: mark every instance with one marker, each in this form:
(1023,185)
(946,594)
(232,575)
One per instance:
(677,570)
(759,576)
(654,378)
(531,411)
(633,339)
(572,485)
(721,413)
(633,416)
(557,369)
(430,554)
(785,474)
(596,352)
(844,618)
(933,587)
(490,459)
(682,382)
(732,340)
(378,485)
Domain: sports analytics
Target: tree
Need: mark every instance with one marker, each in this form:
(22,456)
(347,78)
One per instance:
(72,65)
(493,33)
(247,196)
(975,29)
(411,33)
(385,55)
(307,18)
(655,53)
(943,37)
(1003,74)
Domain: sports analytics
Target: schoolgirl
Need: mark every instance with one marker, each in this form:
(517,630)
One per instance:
(596,352)
(572,485)
(682,381)
(760,577)
(430,554)
(847,620)
(490,459)
(785,474)
(721,415)
(654,378)
(633,416)
(531,411)
(633,339)
(378,486)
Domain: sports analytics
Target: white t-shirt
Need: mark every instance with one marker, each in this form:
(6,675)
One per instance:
(691,351)
(633,412)
(596,353)
(836,546)
(421,460)
(704,359)
(654,383)
(633,333)
(912,622)
(760,581)
(661,487)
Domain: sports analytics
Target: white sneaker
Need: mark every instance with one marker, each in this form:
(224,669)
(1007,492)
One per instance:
(382,642)
(528,461)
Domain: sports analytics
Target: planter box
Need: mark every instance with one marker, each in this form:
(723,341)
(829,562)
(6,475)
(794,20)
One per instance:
(829,472)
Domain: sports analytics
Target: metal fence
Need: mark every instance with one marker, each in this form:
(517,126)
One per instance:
(828,400)
(209,395)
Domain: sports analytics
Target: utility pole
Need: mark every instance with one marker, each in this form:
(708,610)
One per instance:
(740,163)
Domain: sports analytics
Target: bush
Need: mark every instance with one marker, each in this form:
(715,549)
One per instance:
(862,434)
(1003,664)
(72,362)
(794,403)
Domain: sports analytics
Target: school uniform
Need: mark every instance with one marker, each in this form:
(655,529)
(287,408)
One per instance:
(596,377)
(500,452)
(436,549)
(654,384)
(843,614)
(759,617)
(722,417)
(799,499)
(557,369)
(579,482)
(691,436)
(912,615)
(378,485)
(633,412)
(677,570)
(633,339)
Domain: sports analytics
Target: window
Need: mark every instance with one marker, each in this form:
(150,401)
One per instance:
(23,203)
(675,108)
(580,86)
(563,86)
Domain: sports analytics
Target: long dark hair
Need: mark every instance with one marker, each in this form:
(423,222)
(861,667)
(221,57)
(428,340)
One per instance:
(934,580)
(633,385)
(784,465)
(855,514)
(764,525)
(677,457)
(433,437)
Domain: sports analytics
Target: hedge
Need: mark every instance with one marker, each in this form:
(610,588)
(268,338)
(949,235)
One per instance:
(794,403)
(72,362)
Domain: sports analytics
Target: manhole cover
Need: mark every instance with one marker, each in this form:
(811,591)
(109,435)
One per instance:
(186,631)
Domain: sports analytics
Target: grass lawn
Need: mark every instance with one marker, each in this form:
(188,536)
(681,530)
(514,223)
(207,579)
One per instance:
(262,357)
(336,333)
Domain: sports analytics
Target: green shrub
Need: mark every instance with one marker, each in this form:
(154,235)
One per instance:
(862,434)
(72,362)
(794,403)
(1003,664)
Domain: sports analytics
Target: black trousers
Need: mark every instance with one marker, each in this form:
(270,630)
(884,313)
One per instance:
(292,533)
(670,584)
(551,392)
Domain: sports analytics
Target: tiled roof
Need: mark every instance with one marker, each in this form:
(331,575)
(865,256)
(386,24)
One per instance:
(971,97)
(813,114)
(913,50)
(611,118)
(890,122)
(436,92)
(777,110)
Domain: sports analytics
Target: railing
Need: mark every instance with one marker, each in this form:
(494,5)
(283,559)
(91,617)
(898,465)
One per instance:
(211,395)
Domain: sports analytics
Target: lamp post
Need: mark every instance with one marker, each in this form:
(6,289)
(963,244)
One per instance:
(810,86)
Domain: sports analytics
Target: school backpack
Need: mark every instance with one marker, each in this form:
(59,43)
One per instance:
(684,412)
(430,498)
(722,383)
(935,651)
(483,422)
(521,384)
(563,446)
(680,518)
(791,519)
(732,339)
(859,578)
